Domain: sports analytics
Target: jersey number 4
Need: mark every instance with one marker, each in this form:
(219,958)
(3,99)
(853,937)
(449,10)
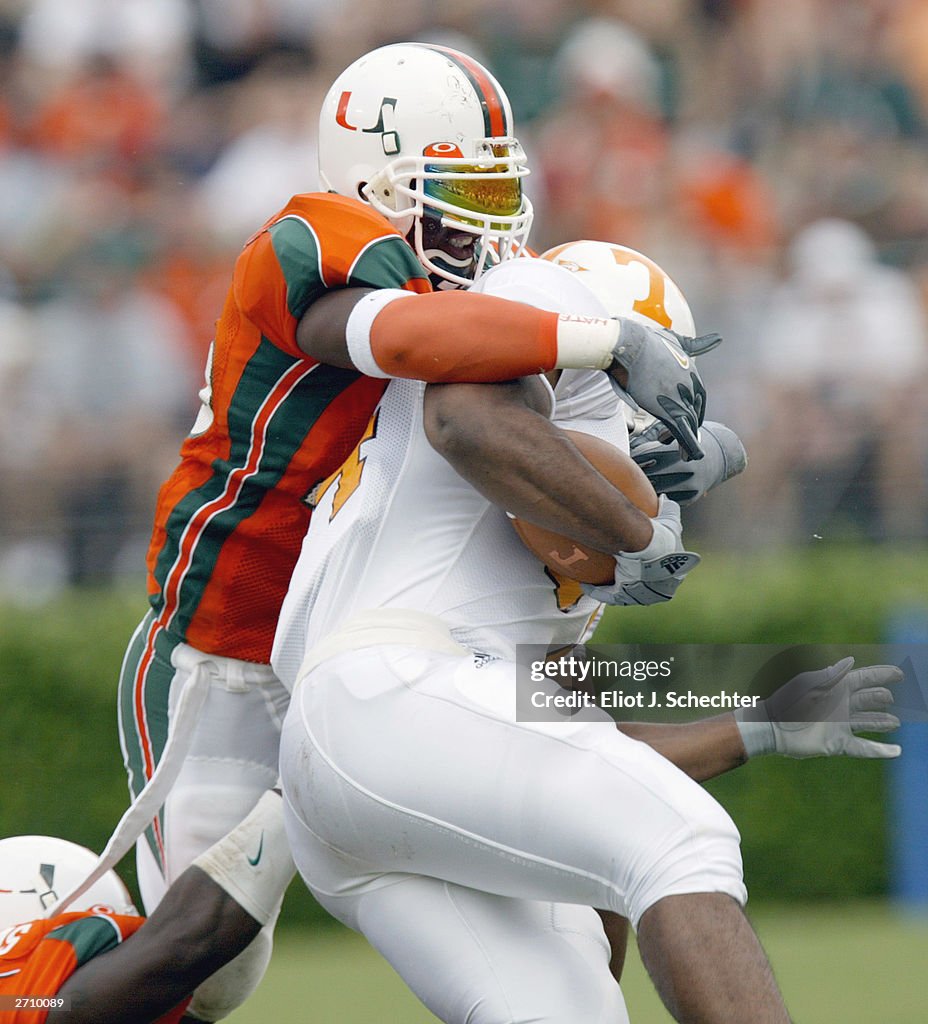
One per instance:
(347,477)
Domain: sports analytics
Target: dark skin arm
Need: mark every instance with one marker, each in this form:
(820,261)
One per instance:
(196,929)
(321,331)
(499,439)
(703,749)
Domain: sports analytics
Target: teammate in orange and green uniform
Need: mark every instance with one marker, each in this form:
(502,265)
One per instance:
(231,518)
(104,962)
(37,958)
(273,425)
(330,299)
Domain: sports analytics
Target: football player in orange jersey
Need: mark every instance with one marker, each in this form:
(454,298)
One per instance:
(99,960)
(332,297)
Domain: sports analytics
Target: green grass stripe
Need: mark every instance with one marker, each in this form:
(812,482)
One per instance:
(856,964)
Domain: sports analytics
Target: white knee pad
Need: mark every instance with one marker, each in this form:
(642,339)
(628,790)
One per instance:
(702,855)
(231,985)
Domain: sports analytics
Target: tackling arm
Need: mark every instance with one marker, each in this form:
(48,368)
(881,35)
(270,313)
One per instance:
(196,929)
(458,336)
(437,337)
(207,917)
(815,714)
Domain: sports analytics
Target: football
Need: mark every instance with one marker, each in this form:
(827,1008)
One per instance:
(567,557)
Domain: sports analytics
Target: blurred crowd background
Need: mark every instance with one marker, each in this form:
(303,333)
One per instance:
(771,155)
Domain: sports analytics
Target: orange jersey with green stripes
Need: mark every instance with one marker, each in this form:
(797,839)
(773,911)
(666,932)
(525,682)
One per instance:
(38,957)
(231,518)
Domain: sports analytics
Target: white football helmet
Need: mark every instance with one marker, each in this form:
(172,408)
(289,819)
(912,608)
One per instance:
(36,871)
(627,283)
(424,134)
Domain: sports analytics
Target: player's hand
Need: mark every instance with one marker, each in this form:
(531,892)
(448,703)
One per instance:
(818,714)
(652,575)
(653,368)
(684,480)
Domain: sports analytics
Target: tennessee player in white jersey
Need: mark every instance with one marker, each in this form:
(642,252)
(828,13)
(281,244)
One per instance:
(397,527)
(378,543)
(469,847)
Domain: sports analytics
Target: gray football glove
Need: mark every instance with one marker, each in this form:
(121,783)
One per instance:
(684,480)
(817,714)
(650,576)
(699,345)
(662,378)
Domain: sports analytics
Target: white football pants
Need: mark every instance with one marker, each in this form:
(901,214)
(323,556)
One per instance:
(422,814)
(232,755)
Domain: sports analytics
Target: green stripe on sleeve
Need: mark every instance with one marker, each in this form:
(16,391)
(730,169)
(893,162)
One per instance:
(89,937)
(297,251)
(386,263)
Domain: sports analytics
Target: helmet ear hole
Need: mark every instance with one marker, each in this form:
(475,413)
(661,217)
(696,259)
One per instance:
(362,185)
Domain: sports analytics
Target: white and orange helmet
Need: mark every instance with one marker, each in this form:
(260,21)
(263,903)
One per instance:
(36,871)
(627,283)
(420,130)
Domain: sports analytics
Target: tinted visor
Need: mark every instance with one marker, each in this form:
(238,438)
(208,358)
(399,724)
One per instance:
(488,190)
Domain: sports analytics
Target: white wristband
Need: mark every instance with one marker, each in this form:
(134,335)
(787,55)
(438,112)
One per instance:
(358,328)
(757,733)
(253,863)
(585,342)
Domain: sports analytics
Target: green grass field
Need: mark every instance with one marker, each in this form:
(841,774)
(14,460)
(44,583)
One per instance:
(853,963)
(814,830)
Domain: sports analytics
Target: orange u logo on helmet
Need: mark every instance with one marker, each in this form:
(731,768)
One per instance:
(385,126)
